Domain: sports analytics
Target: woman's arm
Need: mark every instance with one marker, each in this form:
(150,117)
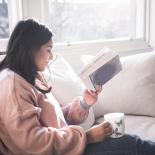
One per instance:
(77,111)
(74,113)
(30,137)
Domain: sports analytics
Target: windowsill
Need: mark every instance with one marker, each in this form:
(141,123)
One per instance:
(73,51)
(123,47)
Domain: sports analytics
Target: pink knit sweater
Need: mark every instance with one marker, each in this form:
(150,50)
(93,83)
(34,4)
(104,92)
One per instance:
(34,124)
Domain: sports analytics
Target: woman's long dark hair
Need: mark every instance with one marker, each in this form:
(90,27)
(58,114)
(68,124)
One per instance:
(27,37)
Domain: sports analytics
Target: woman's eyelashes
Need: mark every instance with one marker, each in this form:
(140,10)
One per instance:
(49,50)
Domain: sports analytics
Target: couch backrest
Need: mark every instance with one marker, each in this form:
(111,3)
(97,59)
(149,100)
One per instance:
(132,91)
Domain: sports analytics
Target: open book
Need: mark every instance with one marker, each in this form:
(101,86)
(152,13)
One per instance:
(100,69)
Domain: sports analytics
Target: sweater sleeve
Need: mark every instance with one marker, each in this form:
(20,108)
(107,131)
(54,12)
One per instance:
(28,136)
(31,138)
(74,113)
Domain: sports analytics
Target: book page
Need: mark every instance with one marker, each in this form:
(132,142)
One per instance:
(95,64)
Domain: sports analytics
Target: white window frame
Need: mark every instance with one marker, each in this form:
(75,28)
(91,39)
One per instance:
(139,42)
(124,46)
(15,14)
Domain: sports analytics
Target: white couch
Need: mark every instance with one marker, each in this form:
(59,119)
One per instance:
(132,91)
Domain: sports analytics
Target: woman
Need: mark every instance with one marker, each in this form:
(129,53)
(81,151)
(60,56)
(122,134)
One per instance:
(30,123)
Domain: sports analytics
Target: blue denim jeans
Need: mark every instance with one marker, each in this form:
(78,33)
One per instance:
(126,145)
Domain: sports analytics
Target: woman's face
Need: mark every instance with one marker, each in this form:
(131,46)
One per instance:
(43,56)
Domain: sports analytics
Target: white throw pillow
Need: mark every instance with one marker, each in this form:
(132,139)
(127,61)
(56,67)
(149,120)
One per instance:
(132,91)
(66,85)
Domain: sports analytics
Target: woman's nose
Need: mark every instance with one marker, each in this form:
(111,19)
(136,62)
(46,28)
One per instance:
(51,56)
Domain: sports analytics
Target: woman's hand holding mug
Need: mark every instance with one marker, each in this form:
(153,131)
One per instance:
(98,132)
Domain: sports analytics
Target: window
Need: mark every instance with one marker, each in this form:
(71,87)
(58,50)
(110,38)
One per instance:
(4,20)
(10,13)
(87,20)
(85,26)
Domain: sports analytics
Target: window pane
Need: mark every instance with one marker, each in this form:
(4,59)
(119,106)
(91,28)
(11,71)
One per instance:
(83,20)
(4,20)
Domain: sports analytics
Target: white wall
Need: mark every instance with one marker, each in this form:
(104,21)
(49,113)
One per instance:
(152,24)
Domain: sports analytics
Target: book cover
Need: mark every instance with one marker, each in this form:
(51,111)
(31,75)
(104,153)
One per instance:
(100,69)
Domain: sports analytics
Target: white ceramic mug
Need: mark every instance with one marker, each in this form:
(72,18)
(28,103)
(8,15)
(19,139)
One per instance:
(117,122)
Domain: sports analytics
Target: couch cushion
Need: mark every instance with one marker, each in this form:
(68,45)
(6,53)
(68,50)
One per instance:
(66,85)
(142,126)
(132,91)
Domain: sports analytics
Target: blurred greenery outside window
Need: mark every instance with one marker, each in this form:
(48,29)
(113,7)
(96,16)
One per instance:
(86,20)
(4,20)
